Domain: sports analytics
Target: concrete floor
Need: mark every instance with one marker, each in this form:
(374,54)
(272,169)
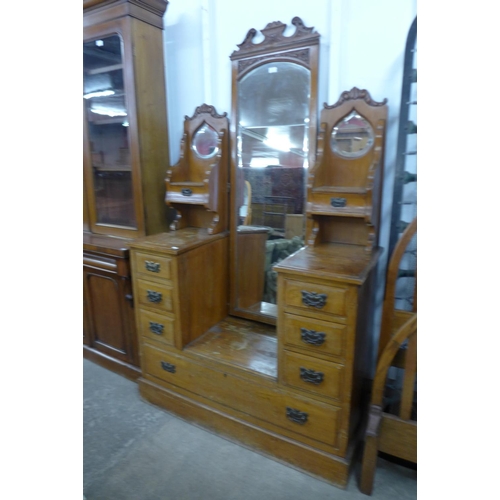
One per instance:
(133,450)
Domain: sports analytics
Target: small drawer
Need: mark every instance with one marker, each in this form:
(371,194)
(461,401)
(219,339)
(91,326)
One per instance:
(313,375)
(314,335)
(157,327)
(155,296)
(153,265)
(314,297)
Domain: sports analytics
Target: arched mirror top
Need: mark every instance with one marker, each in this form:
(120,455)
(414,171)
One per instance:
(205,142)
(352,137)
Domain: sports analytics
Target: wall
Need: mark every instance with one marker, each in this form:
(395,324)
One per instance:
(362,44)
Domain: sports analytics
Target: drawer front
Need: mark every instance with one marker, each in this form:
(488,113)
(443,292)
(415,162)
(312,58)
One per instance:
(314,335)
(155,296)
(157,327)
(313,375)
(314,297)
(301,416)
(153,265)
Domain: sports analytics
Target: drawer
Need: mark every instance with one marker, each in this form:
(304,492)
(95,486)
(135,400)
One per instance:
(157,327)
(314,297)
(314,335)
(313,375)
(153,265)
(302,417)
(155,296)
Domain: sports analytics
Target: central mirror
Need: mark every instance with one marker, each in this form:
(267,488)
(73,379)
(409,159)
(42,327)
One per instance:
(273,136)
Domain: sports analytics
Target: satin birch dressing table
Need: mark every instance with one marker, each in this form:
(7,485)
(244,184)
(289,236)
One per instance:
(278,370)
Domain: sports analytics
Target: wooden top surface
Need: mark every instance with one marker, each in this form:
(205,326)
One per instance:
(109,245)
(241,343)
(333,261)
(176,242)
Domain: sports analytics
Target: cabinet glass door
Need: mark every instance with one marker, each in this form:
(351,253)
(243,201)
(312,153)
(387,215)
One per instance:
(107,123)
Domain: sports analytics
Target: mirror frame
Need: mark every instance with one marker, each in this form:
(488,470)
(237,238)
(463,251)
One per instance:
(301,47)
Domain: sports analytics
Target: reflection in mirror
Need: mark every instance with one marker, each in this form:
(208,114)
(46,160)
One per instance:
(352,137)
(273,125)
(205,142)
(274,108)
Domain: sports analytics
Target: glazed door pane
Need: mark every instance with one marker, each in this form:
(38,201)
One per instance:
(107,122)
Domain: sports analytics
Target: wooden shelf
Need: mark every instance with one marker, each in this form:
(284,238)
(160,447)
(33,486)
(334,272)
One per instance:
(112,168)
(105,69)
(340,189)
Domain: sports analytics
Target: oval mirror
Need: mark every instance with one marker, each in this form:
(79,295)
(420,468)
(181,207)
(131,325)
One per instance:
(205,142)
(352,137)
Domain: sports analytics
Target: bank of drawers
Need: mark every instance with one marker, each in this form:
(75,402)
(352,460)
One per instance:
(314,338)
(304,417)
(155,297)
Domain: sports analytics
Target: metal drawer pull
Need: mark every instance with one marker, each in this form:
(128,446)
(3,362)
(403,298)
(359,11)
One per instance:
(311,376)
(313,299)
(154,296)
(168,367)
(186,192)
(156,328)
(154,267)
(338,202)
(312,337)
(299,417)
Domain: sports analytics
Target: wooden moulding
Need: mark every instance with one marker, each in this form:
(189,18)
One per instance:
(197,187)
(149,11)
(304,458)
(115,365)
(344,194)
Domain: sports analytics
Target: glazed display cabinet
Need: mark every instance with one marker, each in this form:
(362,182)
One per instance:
(125,155)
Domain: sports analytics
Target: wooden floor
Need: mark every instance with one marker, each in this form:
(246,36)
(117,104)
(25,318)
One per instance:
(241,343)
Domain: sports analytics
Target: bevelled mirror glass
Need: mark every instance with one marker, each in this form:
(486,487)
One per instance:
(273,131)
(205,142)
(352,137)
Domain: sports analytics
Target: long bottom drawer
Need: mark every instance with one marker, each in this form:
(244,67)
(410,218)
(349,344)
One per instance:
(311,419)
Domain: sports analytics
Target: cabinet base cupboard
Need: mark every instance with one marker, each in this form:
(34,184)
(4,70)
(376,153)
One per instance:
(291,391)
(109,335)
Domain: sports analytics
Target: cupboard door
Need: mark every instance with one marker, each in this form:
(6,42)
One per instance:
(110,314)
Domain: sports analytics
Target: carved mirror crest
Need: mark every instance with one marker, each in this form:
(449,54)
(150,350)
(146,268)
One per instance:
(273,132)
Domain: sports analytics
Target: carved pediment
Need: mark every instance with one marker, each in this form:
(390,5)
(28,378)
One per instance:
(205,109)
(354,94)
(274,38)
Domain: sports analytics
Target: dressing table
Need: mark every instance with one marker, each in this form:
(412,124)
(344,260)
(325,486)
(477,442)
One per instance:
(285,377)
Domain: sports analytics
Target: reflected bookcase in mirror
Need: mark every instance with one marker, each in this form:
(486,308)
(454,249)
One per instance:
(125,154)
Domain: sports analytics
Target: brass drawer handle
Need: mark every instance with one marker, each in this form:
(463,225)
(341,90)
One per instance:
(299,417)
(156,328)
(312,336)
(311,376)
(153,267)
(313,299)
(154,296)
(168,367)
